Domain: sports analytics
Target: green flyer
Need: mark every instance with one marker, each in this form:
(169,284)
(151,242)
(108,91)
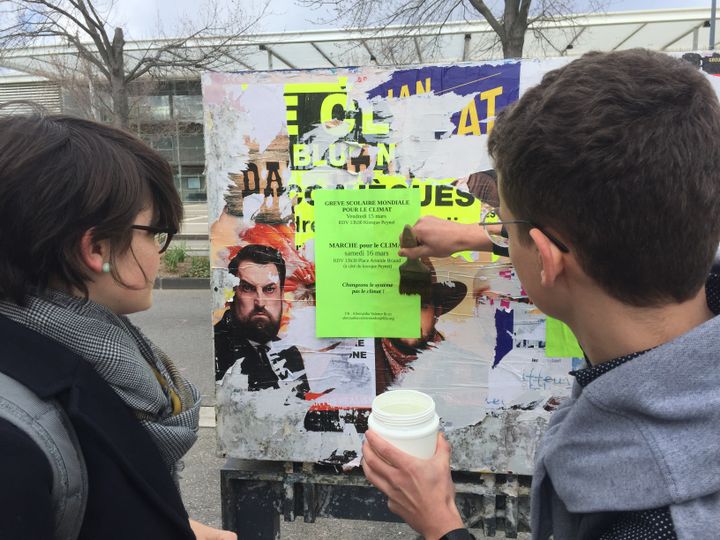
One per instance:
(356,262)
(560,342)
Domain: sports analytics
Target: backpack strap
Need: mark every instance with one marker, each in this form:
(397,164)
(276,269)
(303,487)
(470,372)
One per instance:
(47,424)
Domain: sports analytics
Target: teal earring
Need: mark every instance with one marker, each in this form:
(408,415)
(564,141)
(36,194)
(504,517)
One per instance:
(106,268)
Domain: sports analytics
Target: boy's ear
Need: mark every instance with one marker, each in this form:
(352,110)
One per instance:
(92,252)
(550,258)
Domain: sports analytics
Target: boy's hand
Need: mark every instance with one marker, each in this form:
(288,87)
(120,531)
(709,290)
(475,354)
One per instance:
(420,491)
(203,532)
(441,238)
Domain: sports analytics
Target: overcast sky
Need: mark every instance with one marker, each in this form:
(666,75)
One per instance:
(139,16)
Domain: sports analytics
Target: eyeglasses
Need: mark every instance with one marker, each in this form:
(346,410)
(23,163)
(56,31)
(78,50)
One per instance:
(496,231)
(163,235)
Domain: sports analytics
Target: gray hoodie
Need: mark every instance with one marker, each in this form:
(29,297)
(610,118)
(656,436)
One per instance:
(644,435)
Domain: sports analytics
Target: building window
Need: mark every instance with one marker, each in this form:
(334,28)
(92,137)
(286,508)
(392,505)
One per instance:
(188,108)
(193,183)
(153,108)
(192,148)
(172,123)
(190,182)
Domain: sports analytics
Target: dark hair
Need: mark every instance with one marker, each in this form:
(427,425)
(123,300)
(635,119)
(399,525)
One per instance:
(618,153)
(260,254)
(62,176)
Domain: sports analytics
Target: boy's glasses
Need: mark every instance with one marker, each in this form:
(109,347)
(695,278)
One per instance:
(496,231)
(163,235)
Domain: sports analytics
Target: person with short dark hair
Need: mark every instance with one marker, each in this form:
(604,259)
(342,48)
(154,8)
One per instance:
(252,322)
(85,212)
(610,196)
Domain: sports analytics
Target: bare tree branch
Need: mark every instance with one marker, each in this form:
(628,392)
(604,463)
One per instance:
(86,54)
(100,61)
(98,35)
(55,8)
(483,10)
(509,20)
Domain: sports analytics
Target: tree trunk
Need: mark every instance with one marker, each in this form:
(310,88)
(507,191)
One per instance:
(513,43)
(118,86)
(121,110)
(515,24)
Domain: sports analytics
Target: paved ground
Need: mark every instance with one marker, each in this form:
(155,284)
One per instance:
(179,323)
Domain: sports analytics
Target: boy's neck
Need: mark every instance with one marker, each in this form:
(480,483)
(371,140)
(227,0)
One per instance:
(608,329)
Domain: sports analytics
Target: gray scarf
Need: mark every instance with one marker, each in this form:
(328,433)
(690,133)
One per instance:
(125,358)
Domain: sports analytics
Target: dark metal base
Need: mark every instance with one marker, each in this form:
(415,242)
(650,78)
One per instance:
(256,493)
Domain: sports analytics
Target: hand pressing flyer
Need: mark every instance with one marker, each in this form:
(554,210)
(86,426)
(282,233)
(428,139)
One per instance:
(356,245)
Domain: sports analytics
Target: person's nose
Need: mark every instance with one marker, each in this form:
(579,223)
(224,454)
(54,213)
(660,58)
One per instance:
(260,299)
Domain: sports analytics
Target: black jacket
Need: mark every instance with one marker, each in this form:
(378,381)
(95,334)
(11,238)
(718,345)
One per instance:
(131,492)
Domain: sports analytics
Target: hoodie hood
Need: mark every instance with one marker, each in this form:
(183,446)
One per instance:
(644,435)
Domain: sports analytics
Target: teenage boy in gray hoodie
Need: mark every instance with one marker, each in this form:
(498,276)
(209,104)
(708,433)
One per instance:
(609,177)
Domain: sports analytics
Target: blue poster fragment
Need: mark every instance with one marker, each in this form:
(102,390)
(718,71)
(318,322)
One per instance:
(490,88)
(504,327)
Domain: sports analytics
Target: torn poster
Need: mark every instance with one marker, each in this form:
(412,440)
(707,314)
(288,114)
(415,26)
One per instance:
(274,140)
